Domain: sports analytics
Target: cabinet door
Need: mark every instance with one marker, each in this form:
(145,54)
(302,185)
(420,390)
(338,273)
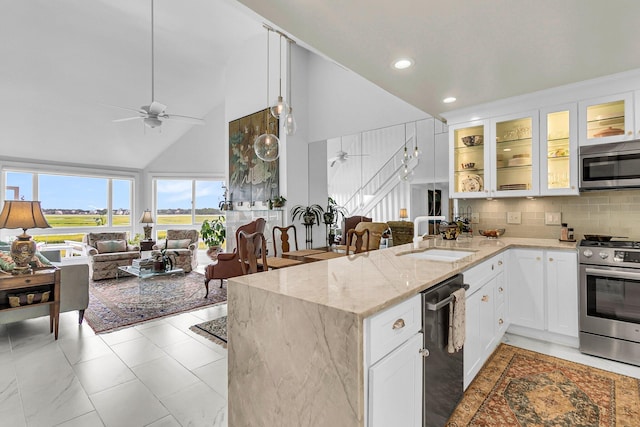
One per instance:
(469,163)
(526,288)
(559,150)
(515,155)
(562,292)
(479,329)
(395,387)
(606,119)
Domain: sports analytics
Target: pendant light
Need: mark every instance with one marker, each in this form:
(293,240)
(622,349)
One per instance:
(416,150)
(280,107)
(267,145)
(405,155)
(406,173)
(290,124)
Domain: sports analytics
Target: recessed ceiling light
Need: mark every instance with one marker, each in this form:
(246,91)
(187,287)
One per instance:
(402,63)
(449,100)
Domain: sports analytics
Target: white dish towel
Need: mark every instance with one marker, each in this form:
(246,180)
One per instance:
(456,321)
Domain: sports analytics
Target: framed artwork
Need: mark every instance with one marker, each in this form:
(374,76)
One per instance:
(250,178)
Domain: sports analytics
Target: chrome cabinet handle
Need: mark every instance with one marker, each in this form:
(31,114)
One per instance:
(500,289)
(550,259)
(485,298)
(398,324)
(424,352)
(537,258)
(500,321)
(499,262)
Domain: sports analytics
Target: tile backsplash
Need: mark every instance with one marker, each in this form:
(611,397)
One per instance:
(615,213)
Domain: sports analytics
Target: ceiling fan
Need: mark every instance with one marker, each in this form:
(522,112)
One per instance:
(342,156)
(154,114)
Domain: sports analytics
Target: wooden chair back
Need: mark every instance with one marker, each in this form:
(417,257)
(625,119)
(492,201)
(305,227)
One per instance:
(284,238)
(255,226)
(358,240)
(376,229)
(251,246)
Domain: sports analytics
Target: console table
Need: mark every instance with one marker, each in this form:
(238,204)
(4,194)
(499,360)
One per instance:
(43,279)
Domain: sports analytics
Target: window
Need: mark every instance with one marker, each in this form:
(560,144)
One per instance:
(187,201)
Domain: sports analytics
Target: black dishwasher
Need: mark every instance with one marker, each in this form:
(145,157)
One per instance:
(443,371)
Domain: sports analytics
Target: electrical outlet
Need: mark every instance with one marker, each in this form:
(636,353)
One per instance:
(475,218)
(552,218)
(514,218)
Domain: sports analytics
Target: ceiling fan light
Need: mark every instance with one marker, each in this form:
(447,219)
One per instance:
(152,122)
(267,147)
(290,124)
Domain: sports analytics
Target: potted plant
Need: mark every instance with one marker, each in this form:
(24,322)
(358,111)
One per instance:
(278,202)
(308,214)
(164,260)
(333,212)
(213,233)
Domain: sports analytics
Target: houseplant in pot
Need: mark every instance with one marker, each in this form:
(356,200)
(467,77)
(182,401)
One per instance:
(331,217)
(308,214)
(213,233)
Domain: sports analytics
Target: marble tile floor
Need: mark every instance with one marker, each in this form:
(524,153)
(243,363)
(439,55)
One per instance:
(158,373)
(154,374)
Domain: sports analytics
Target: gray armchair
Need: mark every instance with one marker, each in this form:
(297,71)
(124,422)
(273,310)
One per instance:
(107,252)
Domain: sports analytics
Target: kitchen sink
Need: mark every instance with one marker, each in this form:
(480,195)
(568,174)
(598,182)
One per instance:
(435,254)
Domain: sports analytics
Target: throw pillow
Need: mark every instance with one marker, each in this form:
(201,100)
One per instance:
(38,260)
(109,246)
(178,244)
(6,262)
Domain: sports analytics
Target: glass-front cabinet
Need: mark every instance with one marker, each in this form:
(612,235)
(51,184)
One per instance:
(559,151)
(606,119)
(469,163)
(514,156)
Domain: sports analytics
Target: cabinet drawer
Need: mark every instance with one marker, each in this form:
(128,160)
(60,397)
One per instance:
(26,281)
(394,326)
(479,274)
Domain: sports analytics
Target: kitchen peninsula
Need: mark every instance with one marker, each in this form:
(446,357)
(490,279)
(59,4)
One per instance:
(297,338)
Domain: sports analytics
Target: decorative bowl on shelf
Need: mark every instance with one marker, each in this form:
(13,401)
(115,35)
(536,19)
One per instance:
(469,165)
(493,233)
(472,140)
(449,232)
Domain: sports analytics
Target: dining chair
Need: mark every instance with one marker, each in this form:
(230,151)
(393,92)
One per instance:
(252,246)
(356,240)
(284,238)
(376,230)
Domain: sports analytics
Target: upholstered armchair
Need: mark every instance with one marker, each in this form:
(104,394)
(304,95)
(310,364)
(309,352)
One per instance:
(107,252)
(350,223)
(376,230)
(401,232)
(183,244)
(228,264)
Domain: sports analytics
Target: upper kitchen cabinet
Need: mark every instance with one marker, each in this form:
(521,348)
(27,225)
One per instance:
(559,151)
(515,155)
(606,119)
(469,160)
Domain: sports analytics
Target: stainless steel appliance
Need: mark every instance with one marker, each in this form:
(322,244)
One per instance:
(607,166)
(610,300)
(443,371)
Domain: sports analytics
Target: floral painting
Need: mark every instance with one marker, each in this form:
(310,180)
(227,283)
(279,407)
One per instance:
(251,179)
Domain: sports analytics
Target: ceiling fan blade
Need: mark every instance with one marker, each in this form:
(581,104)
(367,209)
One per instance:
(139,110)
(127,119)
(185,119)
(156,108)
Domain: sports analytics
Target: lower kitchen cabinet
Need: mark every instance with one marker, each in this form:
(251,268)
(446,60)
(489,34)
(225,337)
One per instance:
(543,294)
(562,292)
(395,387)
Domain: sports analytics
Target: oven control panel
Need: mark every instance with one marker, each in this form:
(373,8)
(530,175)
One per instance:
(626,256)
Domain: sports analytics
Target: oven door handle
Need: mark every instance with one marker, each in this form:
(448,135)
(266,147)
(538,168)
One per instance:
(614,273)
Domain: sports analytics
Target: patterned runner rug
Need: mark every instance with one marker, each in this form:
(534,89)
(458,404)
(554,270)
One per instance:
(215,330)
(117,303)
(518,387)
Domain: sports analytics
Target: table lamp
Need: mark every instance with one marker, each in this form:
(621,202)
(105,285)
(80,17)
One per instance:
(403,214)
(147,219)
(22,214)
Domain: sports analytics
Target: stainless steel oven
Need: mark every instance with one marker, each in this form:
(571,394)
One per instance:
(607,166)
(610,300)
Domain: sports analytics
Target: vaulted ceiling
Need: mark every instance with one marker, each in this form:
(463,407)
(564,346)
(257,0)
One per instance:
(65,63)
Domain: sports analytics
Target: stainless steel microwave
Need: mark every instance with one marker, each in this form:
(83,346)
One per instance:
(610,166)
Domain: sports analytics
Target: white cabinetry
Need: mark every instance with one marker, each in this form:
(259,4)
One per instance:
(485,310)
(395,365)
(559,150)
(607,119)
(543,294)
(562,292)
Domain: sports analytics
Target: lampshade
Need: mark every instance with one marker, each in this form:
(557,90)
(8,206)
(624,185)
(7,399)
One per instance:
(403,213)
(146,217)
(22,214)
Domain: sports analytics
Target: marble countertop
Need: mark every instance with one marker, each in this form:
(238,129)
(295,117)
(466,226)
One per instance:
(366,283)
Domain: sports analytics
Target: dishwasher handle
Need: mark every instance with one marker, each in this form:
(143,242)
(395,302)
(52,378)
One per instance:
(437,306)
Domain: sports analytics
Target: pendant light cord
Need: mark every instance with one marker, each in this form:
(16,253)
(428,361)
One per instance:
(280,66)
(153,98)
(289,71)
(266,116)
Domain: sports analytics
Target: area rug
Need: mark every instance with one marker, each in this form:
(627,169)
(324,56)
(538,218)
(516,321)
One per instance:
(518,387)
(215,330)
(116,303)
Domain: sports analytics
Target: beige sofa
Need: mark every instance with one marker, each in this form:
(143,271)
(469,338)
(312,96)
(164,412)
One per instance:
(74,294)
(107,252)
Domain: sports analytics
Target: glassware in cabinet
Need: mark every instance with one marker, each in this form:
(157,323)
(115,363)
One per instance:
(468,166)
(514,156)
(559,151)
(606,119)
